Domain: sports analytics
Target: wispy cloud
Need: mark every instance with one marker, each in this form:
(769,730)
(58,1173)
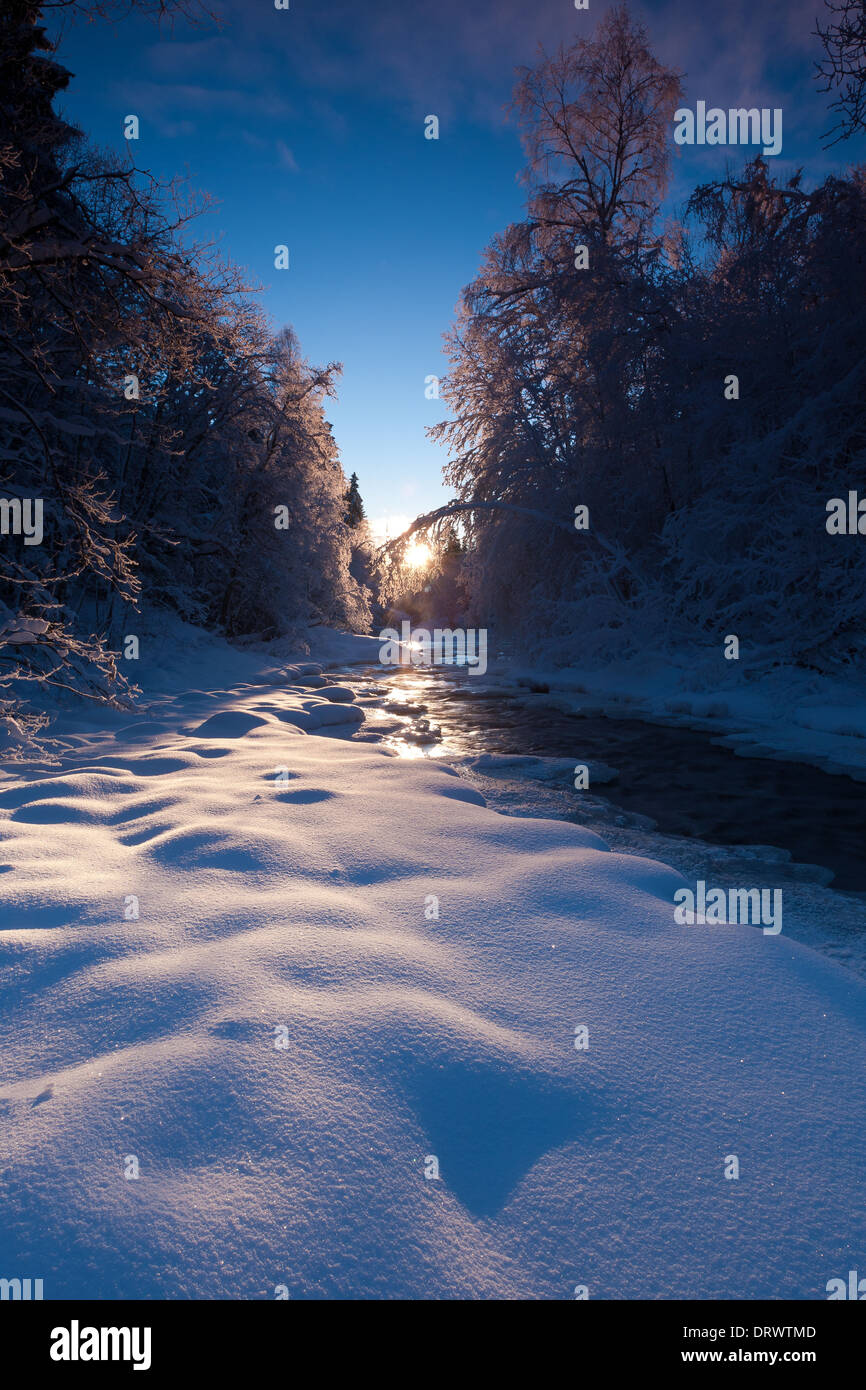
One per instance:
(286,158)
(458,60)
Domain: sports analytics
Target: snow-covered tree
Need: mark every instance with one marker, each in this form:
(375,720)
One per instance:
(178,451)
(355,513)
(690,395)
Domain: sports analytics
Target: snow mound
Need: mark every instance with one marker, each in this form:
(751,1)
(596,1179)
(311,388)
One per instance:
(307,1014)
(320,714)
(338,694)
(230,724)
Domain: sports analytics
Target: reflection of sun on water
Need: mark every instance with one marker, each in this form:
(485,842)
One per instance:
(418,555)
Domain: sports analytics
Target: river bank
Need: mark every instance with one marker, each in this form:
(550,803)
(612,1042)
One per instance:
(665,792)
(323,1021)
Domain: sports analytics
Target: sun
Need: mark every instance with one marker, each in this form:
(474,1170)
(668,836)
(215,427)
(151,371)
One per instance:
(418,555)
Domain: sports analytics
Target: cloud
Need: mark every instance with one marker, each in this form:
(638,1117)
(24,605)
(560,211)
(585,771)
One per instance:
(285,156)
(448,56)
(166,99)
(318,66)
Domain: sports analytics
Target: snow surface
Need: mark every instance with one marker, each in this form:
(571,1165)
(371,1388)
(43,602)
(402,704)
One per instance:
(784,713)
(282,871)
(815,913)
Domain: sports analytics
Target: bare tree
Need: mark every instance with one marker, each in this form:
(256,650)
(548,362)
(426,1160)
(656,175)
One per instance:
(843,68)
(596,127)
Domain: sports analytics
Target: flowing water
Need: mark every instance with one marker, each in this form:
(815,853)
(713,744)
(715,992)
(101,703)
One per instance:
(672,793)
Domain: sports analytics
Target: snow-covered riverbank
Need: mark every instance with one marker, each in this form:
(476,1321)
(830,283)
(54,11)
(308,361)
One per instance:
(816,914)
(286,978)
(782,825)
(784,713)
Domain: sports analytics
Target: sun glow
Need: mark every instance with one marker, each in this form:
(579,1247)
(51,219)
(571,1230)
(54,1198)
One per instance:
(418,555)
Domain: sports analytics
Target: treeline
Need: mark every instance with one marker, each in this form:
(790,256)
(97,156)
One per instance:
(698,386)
(178,450)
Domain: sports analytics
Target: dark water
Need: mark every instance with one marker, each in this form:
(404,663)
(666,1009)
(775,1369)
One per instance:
(687,784)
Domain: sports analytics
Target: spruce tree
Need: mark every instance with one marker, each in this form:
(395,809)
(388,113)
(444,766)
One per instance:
(355,513)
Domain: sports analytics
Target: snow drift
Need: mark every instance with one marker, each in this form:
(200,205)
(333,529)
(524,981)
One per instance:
(275,973)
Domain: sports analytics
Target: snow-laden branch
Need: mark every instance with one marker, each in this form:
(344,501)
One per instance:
(455,508)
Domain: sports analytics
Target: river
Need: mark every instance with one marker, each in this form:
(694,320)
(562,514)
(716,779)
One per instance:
(658,790)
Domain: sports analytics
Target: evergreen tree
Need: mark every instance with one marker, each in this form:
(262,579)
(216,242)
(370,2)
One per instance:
(355,513)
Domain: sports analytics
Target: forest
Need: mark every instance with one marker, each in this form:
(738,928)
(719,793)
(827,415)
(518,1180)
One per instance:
(694,384)
(650,412)
(175,446)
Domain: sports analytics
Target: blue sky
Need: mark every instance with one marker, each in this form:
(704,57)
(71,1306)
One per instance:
(307,128)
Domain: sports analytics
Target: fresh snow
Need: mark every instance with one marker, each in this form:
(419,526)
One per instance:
(286,1034)
(786,713)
